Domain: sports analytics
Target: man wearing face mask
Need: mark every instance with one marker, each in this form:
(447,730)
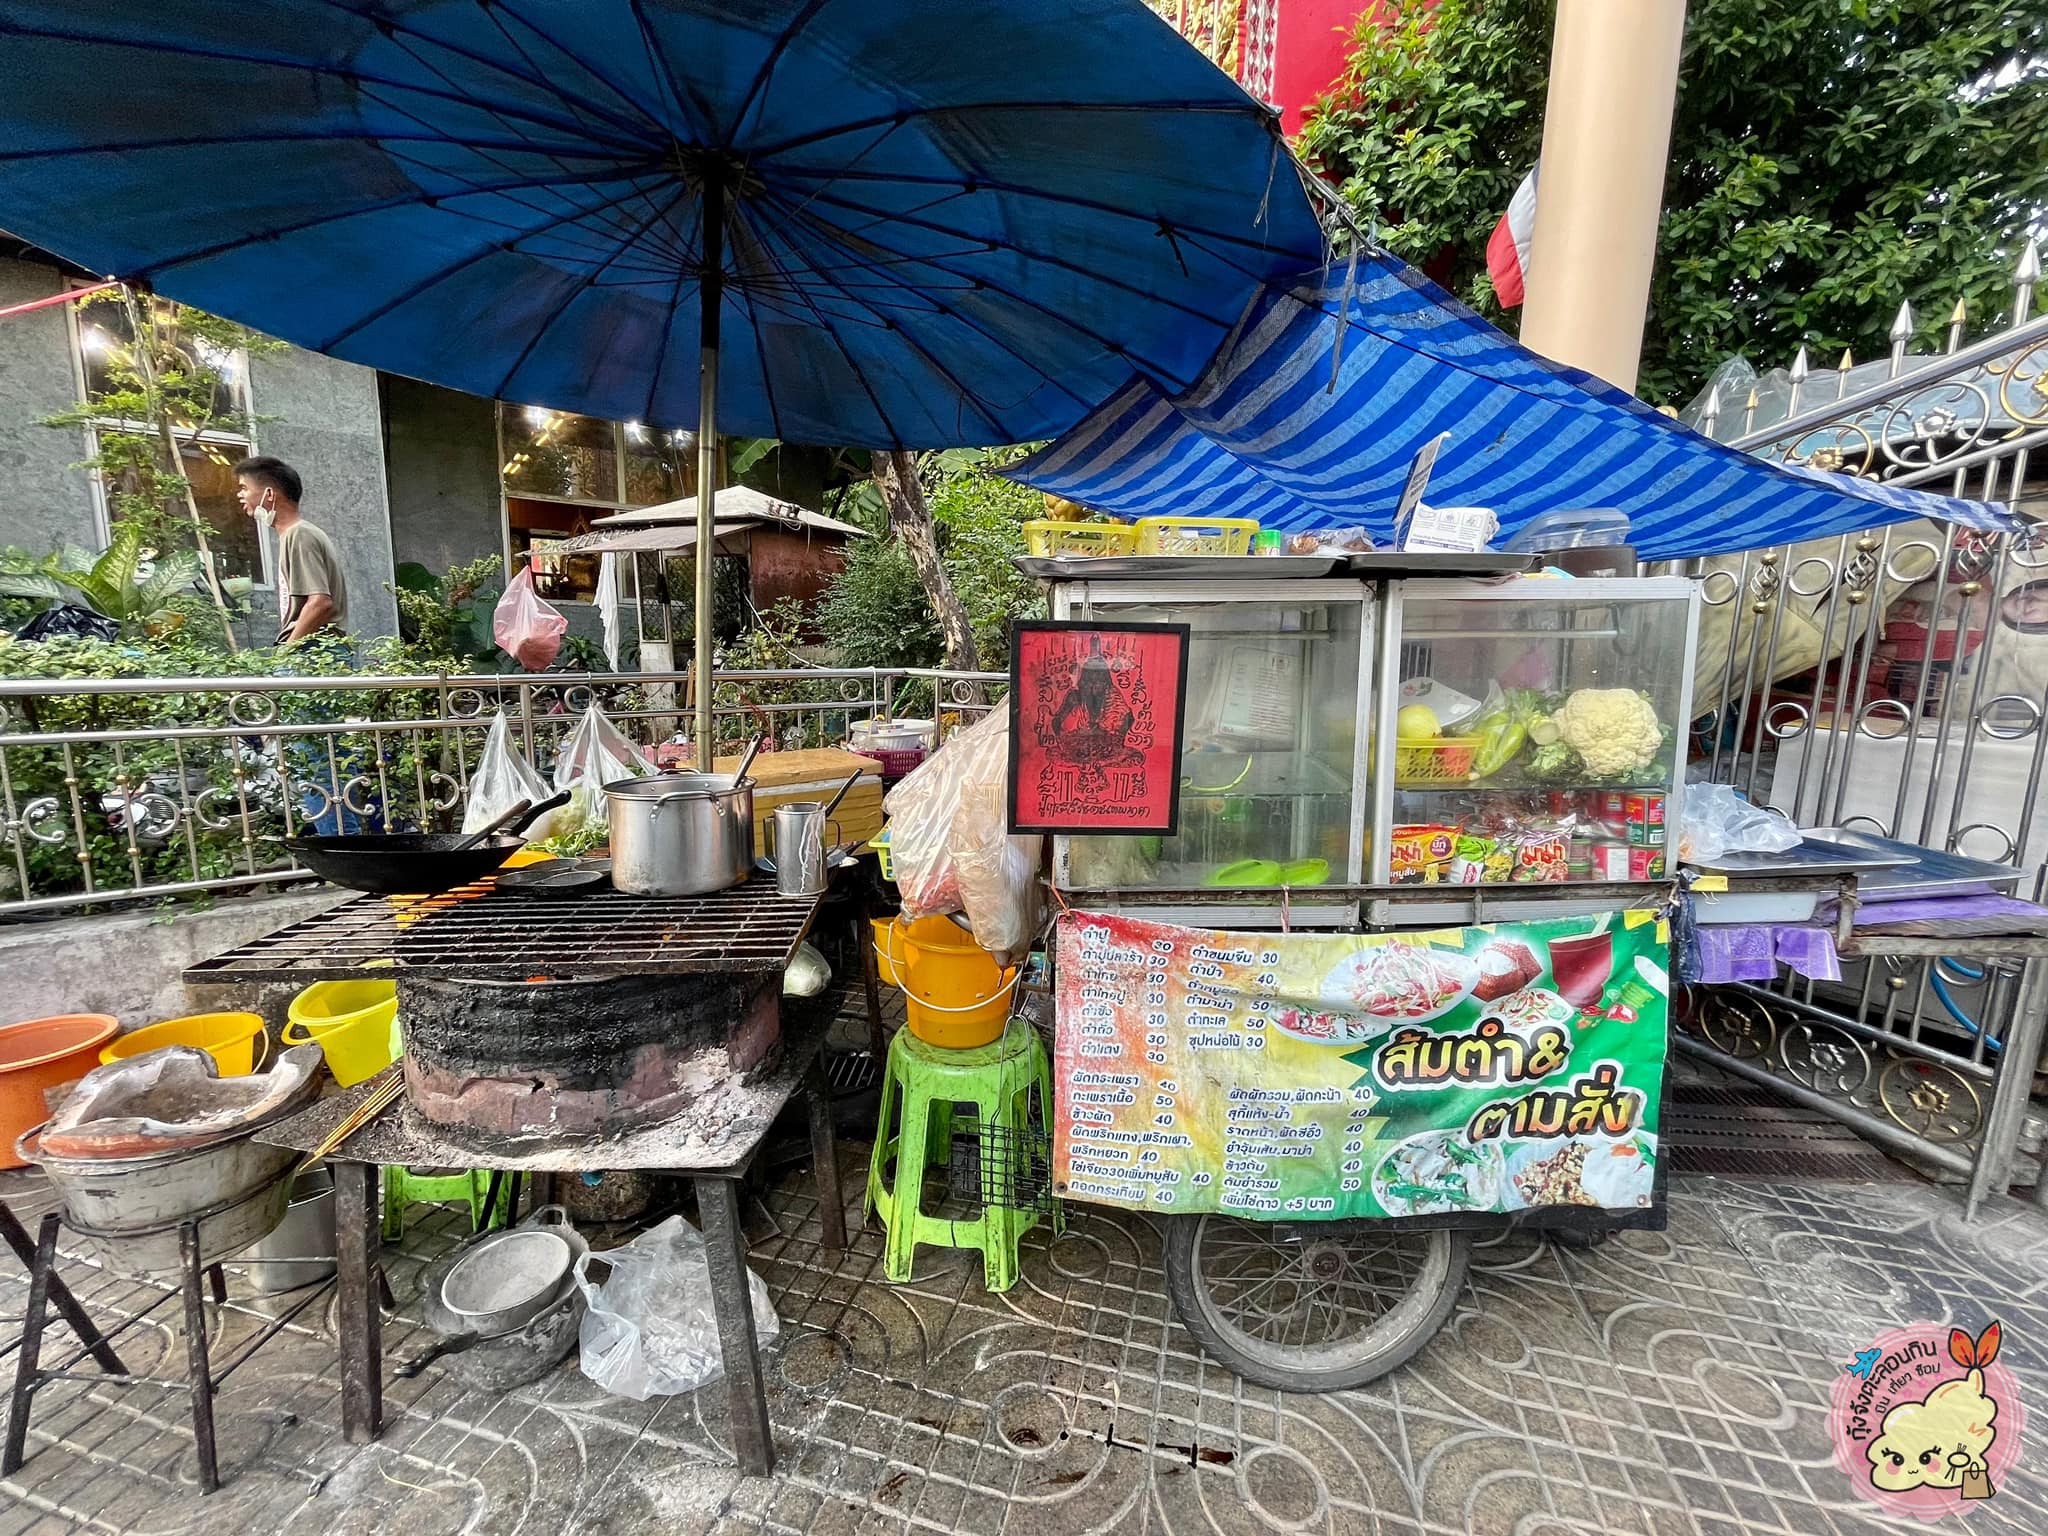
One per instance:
(312,595)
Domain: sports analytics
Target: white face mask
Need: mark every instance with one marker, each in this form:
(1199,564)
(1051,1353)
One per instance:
(264,515)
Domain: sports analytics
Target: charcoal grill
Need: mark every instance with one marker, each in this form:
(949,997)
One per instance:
(476,930)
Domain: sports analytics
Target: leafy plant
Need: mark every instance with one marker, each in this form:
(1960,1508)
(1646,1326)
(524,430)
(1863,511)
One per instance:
(1828,159)
(129,584)
(445,621)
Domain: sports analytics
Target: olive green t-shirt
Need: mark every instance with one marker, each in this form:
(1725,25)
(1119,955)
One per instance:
(308,564)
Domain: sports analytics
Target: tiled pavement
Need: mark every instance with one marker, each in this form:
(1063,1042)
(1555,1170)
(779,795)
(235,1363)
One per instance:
(1663,1383)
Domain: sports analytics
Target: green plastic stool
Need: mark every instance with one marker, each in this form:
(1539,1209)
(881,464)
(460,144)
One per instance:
(989,1088)
(404,1187)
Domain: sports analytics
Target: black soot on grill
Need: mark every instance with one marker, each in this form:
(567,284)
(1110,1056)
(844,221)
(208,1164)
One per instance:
(579,1057)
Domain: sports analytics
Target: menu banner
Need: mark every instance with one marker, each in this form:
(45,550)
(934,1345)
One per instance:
(1314,1075)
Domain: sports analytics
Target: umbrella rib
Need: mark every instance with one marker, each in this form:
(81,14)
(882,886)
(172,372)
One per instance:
(203,141)
(897,119)
(825,324)
(1148,296)
(758,84)
(1012,189)
(496,247)
(653,119)
(391,24)
(657,60)
(336,216)
(624,244)
(739,227)
(970,324)
(261,61)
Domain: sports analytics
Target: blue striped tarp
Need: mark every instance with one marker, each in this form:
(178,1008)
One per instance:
(1311,411)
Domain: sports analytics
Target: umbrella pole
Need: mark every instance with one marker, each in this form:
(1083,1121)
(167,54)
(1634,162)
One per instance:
(710,296)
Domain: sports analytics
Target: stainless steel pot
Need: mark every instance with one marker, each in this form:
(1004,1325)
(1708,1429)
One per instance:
(680,834)
(301,1250)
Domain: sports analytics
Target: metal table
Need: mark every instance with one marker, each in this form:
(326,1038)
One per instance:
(715,1145)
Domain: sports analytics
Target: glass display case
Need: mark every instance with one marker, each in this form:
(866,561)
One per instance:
(1273,747)
(1532,732)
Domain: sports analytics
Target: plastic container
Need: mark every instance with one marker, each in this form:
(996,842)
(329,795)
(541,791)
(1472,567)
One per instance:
(355,1024)
(38,1059)
(885,949)
(955,995)
(1044,537)
(1439,760)
(236,1041)
(1196,535)
(880,843)
(1576,528)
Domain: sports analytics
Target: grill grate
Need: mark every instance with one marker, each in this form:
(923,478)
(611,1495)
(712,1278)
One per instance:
(474,931)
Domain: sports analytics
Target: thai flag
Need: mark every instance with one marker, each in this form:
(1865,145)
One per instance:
(1507,252)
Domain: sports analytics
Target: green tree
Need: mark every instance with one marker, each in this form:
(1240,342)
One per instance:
(1829,158)
(166,375)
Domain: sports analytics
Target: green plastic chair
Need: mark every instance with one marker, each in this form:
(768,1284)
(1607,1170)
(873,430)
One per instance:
(404,1187)
(929,1091)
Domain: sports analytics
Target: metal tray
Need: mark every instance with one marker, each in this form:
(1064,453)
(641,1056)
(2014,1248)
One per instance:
(1820,854)
(1920,872)
(1174,567)
(1388,563)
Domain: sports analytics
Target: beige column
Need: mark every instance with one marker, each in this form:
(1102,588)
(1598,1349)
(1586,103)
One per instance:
(1606,138)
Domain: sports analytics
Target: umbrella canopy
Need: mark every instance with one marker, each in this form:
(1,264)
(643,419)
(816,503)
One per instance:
(911,223)
(1311,415)
(944,222)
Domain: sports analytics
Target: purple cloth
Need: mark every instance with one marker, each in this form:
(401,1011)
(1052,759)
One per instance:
(1754,951)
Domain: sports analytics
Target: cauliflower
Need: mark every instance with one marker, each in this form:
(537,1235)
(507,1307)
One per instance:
(1613,729)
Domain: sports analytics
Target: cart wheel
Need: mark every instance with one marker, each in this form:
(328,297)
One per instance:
(1310,1310)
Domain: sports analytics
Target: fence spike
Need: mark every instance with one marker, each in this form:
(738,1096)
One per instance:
(1902,335)
(1842,373)
(1710,413)
(1802,369)
(2024,277)
(1749,413)
(1958,319)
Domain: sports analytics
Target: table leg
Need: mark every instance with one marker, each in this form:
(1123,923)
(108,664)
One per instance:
(358,1238)
(870,980)
(198,1368)
(825,1158)
(15,1235)
(41,1262)
(725,1248)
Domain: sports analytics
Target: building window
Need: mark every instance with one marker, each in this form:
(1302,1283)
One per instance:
(558,472)
(210,443)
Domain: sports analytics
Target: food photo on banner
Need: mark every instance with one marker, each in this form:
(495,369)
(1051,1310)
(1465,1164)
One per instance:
(1468,1071)
(1095,727)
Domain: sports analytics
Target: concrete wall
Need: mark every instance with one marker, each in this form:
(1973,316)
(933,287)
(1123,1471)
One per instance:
(322,416)
(441,455)
(44,502)
(129,963)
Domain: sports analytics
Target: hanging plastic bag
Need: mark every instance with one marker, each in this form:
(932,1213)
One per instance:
(596,753)
(502,779)
(949,842)
(650,1330)
(526,628)
(1718,821)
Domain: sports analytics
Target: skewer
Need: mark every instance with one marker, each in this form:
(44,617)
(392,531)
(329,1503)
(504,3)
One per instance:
(385,1089)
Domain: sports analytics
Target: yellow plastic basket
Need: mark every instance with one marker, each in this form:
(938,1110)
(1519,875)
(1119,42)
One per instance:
(1440,760)
(1196,535)
(1044,537)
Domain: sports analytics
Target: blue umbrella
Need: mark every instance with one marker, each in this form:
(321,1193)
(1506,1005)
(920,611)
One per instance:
(904,224)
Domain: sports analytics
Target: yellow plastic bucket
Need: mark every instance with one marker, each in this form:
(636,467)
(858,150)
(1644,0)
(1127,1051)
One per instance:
(955,995)
(355,1023)
(885,950)
(236,1041)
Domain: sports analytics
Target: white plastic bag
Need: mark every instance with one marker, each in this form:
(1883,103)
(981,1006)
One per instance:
(502,779)
(526,628)
(596,753)
(949,842)
(1718,821)
(650,1330)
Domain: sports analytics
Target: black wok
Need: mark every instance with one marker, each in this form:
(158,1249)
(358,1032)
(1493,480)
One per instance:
(413,863)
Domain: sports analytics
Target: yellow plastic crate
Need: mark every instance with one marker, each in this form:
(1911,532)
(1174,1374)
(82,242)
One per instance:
(1441,760)
(1045,537)
(1196,535)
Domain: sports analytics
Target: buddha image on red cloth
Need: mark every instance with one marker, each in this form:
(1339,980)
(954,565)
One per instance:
(1095,726)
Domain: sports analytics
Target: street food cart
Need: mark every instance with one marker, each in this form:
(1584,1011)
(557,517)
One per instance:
(1400,972)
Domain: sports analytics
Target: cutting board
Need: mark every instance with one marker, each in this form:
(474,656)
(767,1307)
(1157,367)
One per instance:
(780,777)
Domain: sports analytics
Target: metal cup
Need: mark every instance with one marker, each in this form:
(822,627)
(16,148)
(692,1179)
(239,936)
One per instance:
(796,842)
